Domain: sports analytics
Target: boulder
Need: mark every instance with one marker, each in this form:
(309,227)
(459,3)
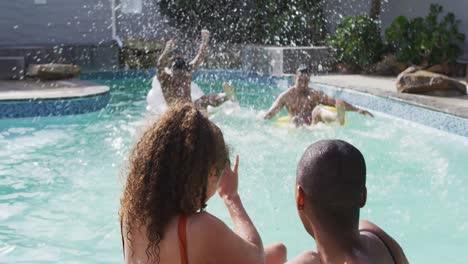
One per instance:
(415,80)
(443,68)
(53,71)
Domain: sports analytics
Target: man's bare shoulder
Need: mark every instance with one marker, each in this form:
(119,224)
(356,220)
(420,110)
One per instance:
(315,92)
(289,93)
(307,257)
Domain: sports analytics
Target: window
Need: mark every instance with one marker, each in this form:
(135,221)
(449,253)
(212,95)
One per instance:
(131,6)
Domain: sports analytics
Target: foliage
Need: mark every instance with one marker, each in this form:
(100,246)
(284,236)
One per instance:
(426,41)
(296,22)
(376,9)
(271,22)
(357,41)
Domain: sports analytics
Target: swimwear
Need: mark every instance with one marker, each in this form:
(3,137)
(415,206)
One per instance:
(182,234)
(383,241)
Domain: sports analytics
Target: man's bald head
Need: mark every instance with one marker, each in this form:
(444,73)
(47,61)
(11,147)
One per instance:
(332,174)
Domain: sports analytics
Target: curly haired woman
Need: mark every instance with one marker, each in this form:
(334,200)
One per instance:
(177,165)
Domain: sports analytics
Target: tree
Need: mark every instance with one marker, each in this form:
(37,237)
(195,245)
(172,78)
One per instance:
(376,9)
(270,22)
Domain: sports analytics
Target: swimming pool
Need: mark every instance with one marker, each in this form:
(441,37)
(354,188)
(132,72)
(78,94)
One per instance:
(61,178)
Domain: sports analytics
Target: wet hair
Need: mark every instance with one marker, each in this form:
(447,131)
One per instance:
(303,69)
(332,174)
(179,63)
(168,172)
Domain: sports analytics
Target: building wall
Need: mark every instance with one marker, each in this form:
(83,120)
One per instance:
(421,8)
(415,8)
(22,22)
(336,10)
(148,25)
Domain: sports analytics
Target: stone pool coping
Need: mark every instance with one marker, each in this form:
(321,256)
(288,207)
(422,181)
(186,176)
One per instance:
(385,87)
(448,114)
(43,90)
(30,98)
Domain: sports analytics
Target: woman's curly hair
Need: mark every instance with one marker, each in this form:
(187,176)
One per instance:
(168,172)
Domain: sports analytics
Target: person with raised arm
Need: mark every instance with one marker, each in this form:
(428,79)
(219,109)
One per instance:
(178,164)
(175,76)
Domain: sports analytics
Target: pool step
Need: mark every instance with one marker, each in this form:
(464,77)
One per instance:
(12,67)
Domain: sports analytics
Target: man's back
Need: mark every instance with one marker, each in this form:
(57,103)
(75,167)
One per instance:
(176,86)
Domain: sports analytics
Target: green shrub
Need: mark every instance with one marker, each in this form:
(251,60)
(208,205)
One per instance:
(357,42)
(270,22)
(426,41)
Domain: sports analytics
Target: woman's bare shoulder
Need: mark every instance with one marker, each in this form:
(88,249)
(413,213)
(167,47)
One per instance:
(205,222)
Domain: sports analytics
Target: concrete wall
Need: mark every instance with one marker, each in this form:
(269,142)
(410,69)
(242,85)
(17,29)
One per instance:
(148,25)
(415,8)
(421,8)
(22,22)
(336,10)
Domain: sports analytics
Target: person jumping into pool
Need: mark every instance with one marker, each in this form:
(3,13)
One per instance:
(330,190)
(178,164)
(306,106)
(175,76)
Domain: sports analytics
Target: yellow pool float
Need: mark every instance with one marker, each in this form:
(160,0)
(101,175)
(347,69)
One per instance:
(288,119)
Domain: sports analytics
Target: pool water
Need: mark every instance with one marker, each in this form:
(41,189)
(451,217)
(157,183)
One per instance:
(61,178)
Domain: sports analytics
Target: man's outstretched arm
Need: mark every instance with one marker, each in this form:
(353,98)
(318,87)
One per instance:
(275,108)
(308,257)
(327,100)
(164,59)
(198,60)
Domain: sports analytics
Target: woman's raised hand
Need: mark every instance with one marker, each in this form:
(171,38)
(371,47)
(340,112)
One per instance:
(229,182)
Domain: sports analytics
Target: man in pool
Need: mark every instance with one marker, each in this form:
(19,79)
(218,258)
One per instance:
(330,190)
(175,76)
(307,106)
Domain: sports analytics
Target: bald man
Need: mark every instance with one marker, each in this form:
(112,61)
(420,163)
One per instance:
(330,190)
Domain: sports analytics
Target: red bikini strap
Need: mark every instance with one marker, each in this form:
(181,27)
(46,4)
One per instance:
(182,233)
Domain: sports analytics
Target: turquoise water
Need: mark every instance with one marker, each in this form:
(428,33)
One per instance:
(61,178)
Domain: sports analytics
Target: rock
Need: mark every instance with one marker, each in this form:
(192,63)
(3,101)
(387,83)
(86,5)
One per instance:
(53,71)
(388,66)
(443,68)
(415,80)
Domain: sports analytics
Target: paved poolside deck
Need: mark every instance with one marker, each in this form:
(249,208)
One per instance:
(385,87)
(44,90)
